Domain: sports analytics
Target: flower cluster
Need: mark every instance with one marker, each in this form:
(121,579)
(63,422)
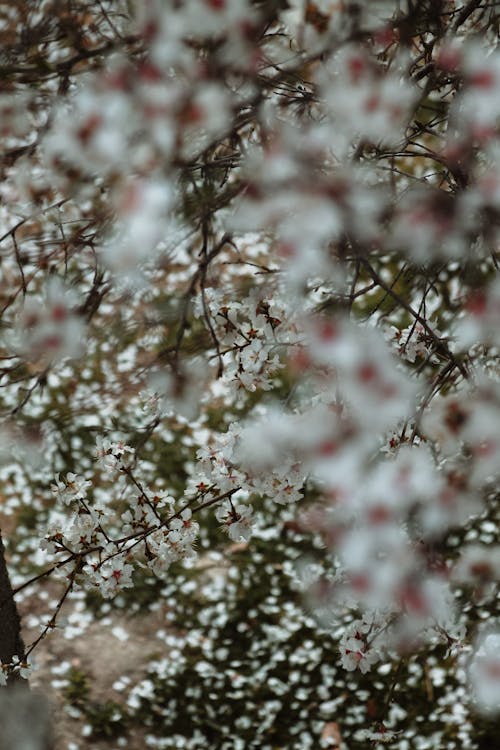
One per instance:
(101,545)
(357,649)
(49,329)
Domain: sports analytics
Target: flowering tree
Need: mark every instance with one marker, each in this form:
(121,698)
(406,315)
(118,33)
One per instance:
(249,324)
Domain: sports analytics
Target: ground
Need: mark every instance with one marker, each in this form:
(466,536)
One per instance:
(103,651)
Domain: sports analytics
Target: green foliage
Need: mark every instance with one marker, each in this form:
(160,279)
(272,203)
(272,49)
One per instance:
(108,719)
(77,691)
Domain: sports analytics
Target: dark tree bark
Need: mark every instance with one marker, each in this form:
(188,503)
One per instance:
(24,715)
(11,643)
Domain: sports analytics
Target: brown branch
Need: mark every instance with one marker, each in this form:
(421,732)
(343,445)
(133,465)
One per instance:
(440,344)
(467,11)
(11,643)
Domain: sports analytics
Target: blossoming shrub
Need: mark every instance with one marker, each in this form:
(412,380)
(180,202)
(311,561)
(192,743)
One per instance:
(250,256)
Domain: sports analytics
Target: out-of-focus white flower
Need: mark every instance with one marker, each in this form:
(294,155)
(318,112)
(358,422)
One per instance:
(14,114)
(482,313)
(478,564)
(484,673)
(381,734)
(143,208)
(181,392)
(362,99)
(49,330)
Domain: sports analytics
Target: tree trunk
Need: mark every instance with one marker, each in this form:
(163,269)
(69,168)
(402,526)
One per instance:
(11,643)
(24,715)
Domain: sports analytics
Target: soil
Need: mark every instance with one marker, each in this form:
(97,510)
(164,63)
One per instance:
(107,650)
